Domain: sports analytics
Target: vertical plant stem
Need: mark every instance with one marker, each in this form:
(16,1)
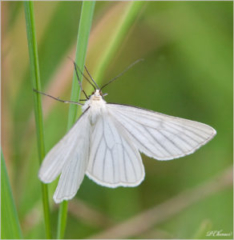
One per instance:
(62,219)
(81,49)
(129,15)
(35,82)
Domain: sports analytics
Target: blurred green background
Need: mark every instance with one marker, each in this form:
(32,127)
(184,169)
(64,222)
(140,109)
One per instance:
(187,72)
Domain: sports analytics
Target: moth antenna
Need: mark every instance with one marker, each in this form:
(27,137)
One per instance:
(130,66)
(77,68)
(91,77)
(58,99)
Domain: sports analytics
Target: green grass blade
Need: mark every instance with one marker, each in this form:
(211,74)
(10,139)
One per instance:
(130,14)
(81,49)
(35,82)
(10,223)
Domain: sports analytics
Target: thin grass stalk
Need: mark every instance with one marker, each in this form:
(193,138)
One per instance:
(81,49)
(10,221)
(36,84)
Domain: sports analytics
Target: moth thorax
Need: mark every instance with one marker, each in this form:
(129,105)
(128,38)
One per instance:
(96,98)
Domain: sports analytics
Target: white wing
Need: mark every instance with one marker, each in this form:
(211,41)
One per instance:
(161,136)
(69,156)
(113,161)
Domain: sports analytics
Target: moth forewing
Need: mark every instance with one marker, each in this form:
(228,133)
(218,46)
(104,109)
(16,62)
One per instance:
(161,136)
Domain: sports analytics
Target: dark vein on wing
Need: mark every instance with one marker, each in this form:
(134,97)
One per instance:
(124,160)
(95,155)
(164,148)
(103,167)
(171,141)
(113,165)
(111,151)
(187,128)
(151,114)
(134,170)
(184,133)
(137,140)
(177,135)
(169,121)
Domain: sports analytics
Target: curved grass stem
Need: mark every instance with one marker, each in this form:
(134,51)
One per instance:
(81,49)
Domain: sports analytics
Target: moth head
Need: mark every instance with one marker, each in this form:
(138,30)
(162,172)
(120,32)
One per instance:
(97,94)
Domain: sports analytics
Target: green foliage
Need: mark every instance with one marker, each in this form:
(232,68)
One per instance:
(10,223)
(187,72)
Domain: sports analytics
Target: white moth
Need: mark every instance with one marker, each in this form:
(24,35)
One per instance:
(105,143)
